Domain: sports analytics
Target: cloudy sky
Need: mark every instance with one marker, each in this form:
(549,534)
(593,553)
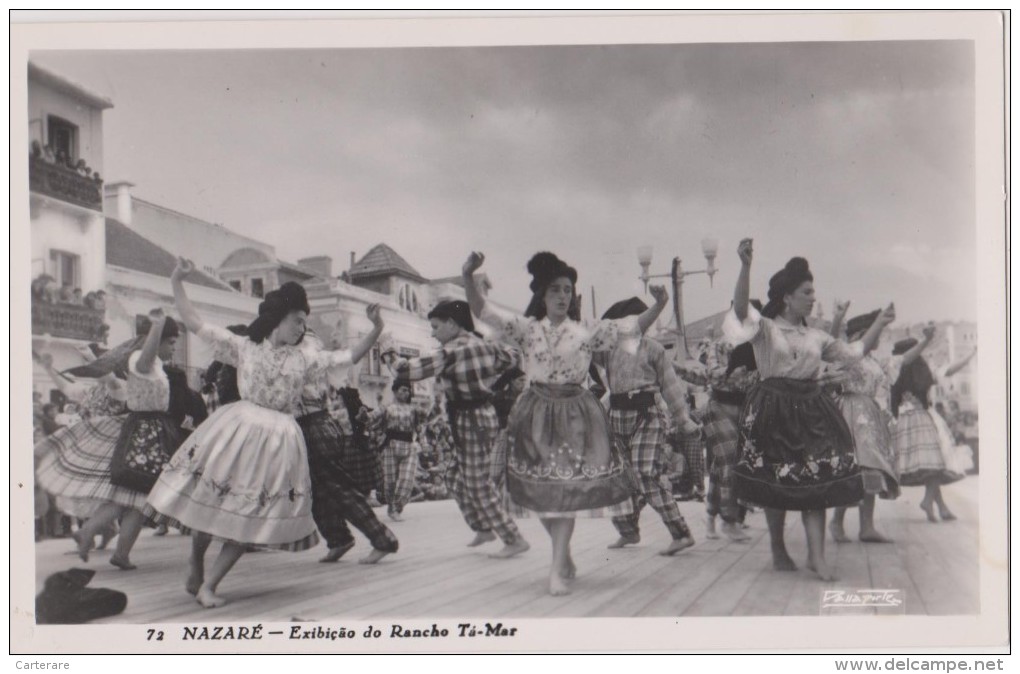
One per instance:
(858,156)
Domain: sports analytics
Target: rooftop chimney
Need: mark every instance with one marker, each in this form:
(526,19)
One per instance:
(121,194)
(320,264)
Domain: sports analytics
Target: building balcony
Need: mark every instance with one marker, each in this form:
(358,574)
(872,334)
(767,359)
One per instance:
(68,321)
(60,182)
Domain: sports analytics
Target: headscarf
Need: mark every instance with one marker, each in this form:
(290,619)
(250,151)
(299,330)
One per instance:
(275,307)
(457,311)
(861,323)
(784,282)
(629,307)
(544,269)
(170,328)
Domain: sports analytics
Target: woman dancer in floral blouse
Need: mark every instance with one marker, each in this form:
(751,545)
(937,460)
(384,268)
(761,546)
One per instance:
(562,462)
(864,401)
(796,451)
(243,474)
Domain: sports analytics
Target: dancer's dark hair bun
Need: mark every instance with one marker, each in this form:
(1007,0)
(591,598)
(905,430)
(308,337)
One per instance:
(545,268)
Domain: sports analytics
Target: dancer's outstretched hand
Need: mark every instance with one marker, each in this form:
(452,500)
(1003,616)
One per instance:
(374,313)
(660,294)
(183,268)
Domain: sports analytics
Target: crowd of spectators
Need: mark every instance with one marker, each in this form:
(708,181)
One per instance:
(60,158)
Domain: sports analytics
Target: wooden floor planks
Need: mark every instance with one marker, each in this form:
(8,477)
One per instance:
(934,566)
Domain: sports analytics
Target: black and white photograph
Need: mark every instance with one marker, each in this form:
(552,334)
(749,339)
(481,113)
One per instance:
(497,334)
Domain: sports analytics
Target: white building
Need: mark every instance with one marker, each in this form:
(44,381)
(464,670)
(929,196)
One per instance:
(68,241)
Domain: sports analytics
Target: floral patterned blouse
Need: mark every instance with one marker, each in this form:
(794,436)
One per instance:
(712,373)
(147,392)
(873,378)
(561,354)
(782,349)
(105,399)
(270,376)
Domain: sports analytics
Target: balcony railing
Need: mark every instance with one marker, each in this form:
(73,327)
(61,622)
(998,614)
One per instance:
(65,184)
(69,321)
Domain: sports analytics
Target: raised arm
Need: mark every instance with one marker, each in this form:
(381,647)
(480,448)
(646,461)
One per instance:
(742,293)
(870,339)
(928,334)
(474,298)
(374,314)
(838,314)
(646,319)
(157,319)
(188,314)
(956,367)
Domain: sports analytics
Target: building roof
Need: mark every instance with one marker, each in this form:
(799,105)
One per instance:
(129,249)
(384,261)
(68,87)
(298,269)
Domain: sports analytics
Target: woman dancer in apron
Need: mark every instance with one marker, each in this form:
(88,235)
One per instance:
(796,451)
(562,462)
(243,475)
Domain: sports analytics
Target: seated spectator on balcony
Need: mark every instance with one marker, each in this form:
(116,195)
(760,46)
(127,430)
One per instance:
(42,289)
(48,156)
(82,168)
(76,297)
(62,158)
(66,294)
(100,302)
(89,300)
(96,177)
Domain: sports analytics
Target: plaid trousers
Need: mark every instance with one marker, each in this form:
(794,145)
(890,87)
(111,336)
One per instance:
(469,474)
(693,449)
(399,461)
(641,436)
(721,440)
(335,499)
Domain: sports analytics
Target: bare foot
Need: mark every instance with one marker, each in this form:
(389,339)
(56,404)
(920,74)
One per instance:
(624,540)
(946,515)
(511,549)
(929,511)
(334,554)
(84,545)
(569,570)
(161,530)
(822,570)
(105,537)
(678,545)
(481,538)
(122,564)
(710,531)
(733,532)
(872,536)
(373,557)
(838,534)
(395,516)
(557,587)
(194,582)
(781,561)
(208,598)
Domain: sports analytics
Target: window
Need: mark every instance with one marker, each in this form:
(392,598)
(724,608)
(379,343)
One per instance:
(257,288)
(375,361)
(236,285)
(62,137)
(66,268)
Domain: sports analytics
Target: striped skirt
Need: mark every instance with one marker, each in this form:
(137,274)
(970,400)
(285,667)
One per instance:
(923,453)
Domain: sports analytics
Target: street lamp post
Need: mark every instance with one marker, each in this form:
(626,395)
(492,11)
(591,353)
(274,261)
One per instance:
(709,248)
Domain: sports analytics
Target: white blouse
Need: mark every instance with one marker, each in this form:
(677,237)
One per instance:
(560,354)
(147,392)
(783,349)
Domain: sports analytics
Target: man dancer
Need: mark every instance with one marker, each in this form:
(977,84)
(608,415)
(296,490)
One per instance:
(635,377)
(335,498)
(468,365)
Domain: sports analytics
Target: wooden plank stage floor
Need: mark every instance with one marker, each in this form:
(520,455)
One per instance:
(434,575)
